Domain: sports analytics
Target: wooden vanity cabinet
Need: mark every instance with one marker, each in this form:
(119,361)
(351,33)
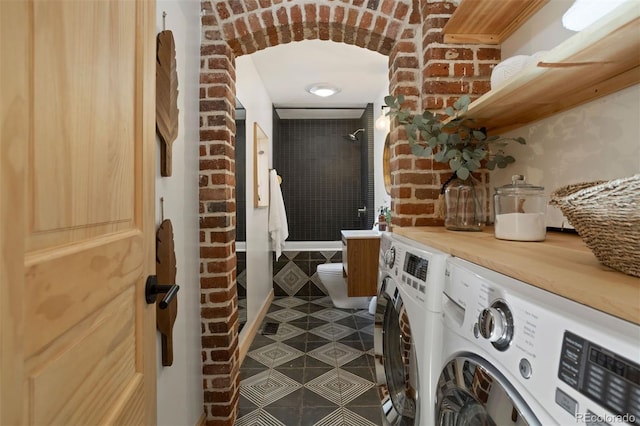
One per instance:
(360,252)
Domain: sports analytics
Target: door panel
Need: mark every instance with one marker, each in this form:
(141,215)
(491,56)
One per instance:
(77,163)
(84,79)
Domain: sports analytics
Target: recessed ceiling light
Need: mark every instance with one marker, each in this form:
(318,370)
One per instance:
(322,89)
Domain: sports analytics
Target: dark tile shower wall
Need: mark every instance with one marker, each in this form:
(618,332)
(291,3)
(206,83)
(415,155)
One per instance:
(241,161)
(322,176)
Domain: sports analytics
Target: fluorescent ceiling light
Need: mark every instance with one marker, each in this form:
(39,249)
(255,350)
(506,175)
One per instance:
(322,89)
(585,12)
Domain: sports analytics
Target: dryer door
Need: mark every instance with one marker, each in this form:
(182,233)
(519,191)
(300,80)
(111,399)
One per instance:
(396,362)
(471,392)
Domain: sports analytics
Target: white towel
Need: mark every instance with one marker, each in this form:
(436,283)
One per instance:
(278,228)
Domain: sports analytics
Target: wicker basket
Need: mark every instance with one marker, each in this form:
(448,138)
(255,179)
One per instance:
(607,218)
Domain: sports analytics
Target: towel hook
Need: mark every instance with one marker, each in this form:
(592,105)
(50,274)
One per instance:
(162,209)
(164,15)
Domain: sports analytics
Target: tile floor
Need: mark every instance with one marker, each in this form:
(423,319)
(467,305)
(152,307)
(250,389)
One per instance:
(317,370)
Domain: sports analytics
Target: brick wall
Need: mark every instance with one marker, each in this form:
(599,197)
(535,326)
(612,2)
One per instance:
(429,74)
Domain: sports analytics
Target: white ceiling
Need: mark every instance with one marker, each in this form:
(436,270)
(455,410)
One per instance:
(287,69)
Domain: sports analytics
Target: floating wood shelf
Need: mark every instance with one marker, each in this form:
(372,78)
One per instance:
(595,62)
(488,21)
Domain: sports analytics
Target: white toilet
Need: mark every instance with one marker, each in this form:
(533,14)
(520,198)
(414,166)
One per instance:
(331,276)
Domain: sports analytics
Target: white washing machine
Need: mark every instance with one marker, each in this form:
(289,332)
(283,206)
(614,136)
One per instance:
(408,329)
(514,354)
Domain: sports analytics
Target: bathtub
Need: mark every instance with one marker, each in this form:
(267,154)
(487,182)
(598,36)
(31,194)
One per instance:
(312,245)
(241,246)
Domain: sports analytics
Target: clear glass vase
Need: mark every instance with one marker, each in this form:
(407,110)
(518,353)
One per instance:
(466,205)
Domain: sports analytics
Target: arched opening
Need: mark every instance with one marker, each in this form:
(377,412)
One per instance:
(402,30)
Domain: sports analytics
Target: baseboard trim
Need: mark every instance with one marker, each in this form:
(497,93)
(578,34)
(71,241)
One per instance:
(202,421)
(253,328)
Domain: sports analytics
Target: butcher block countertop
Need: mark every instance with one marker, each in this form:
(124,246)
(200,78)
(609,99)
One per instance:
(562,264)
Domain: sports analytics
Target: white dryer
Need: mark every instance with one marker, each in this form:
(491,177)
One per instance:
(408,329)
(514,354)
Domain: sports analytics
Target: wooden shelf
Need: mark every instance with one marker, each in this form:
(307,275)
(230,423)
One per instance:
(488,21)
(562,264)
(598,61)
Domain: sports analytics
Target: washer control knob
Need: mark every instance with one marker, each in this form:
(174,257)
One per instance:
(496,325)
(390,257)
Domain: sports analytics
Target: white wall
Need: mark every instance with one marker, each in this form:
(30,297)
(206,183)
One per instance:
(180,395)
(252,94)
(599,140)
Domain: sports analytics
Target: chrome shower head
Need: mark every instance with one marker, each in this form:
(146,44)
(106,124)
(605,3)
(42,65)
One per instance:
(354,136)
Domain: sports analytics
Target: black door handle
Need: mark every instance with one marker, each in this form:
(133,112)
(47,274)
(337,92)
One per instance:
(152,289)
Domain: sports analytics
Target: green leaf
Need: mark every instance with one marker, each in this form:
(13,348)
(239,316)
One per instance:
(474,164)
(454,164)
(509,159)
(420,151)
(390,101)
(479,153)
(491,164)
(452,153)
(439,156)
(450,112)
(443,138)
(479,135)
(462,172)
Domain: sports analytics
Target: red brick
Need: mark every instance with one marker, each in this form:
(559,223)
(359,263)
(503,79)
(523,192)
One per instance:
(415,209)
(427,194)
(415,178)
(449,53)
(437,69)
(309,13)
(216,252)
(445,87)
(486,54)
(221,282)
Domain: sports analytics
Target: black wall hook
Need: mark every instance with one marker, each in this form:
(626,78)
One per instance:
(152,289)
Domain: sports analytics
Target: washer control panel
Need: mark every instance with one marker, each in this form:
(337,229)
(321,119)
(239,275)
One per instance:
(414,272)
(601,375)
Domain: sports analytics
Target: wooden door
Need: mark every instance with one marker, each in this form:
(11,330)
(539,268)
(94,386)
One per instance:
(76,212)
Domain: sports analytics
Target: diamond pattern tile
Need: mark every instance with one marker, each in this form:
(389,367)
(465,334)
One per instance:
(286,331)
(275,354)
(267,387)
(258,417)
(330,314)
(291,278)
(339,386)
(284,315)
(343,416)
(332,331)
(335,353)
(328,358)
(289,302)
(324,301)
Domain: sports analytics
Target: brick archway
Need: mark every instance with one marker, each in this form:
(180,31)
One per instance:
(407,31)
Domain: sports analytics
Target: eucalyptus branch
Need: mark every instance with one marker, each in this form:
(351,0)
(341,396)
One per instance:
(454,141)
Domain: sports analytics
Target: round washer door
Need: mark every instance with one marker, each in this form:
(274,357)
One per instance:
(396,362)
(471,392)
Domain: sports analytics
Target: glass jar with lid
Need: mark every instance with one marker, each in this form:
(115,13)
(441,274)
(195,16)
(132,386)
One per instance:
(520,210)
